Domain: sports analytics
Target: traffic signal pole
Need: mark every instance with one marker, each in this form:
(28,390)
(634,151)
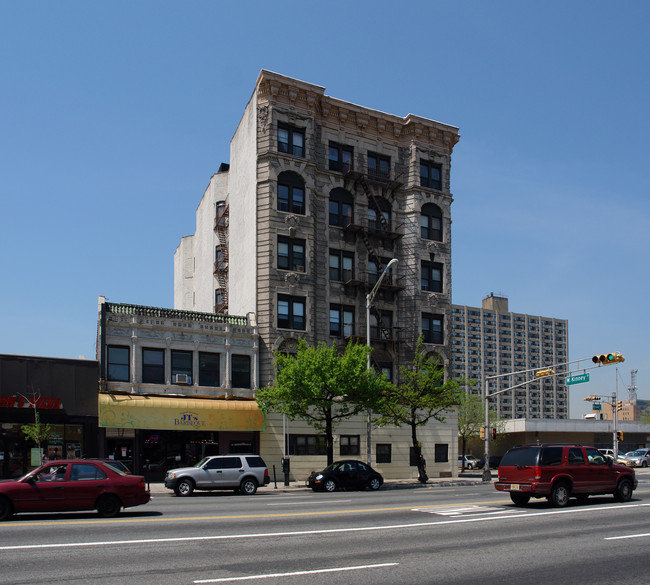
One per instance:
(545,372)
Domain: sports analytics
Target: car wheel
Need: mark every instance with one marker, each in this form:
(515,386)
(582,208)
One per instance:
(623,492)
(185,487)
(374,483)
(6,509)
(329,485)
(108,506)
(644,464)
(519,499)
(248,487)
(559,495)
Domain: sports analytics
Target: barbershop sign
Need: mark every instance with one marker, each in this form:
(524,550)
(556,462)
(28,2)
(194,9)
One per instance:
(23,402)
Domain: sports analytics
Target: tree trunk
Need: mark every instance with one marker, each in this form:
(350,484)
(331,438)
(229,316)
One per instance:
(462,459)
(329,438)
(417,448)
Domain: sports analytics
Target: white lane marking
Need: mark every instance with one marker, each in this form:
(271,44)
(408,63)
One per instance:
(310,503)
(314,572)
(628,536)
(317,532)
(464,510)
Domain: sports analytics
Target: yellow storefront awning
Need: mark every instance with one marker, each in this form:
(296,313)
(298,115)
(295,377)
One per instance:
(179,414)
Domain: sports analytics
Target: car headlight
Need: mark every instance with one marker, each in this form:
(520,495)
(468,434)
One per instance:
(319,477)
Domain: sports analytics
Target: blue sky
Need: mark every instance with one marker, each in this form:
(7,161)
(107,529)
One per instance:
(116,114)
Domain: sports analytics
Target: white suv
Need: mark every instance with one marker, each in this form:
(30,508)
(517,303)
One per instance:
(242,473)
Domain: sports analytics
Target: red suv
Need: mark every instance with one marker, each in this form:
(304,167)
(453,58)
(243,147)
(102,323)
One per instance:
(559,472)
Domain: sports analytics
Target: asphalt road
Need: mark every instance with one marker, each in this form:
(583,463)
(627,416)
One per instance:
(450,536)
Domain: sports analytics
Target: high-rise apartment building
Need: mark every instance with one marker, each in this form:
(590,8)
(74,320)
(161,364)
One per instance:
(489,340)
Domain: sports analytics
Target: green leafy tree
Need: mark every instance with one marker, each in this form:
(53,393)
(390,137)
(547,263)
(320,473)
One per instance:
(422,395)
(37,431)
(471,417)
(322,387)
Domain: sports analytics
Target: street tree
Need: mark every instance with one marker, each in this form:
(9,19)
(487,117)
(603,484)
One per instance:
(471,418)
(36,431)
(322,386)
(421,395)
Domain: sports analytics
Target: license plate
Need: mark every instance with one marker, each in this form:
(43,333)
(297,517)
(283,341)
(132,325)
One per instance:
(514,487)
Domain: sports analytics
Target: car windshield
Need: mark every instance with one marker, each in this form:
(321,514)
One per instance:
(202,462)
(637,454)
(332,467)
(521,456)
(118,466)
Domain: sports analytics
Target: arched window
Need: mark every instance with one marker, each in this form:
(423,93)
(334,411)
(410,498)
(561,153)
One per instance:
(341,207)
(431,222)
(291,193)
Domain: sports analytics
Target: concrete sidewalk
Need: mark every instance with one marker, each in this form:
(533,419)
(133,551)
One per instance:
(463,479)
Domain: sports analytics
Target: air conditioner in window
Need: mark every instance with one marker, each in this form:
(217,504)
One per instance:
(182,379)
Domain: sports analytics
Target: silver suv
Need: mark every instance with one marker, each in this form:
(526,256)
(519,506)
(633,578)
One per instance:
(242,473)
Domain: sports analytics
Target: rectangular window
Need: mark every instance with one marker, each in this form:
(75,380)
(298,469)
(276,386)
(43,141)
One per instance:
(291,140)
(341,265)
(378,166)
(291,254)
(432,328)
(291,312)
(383,453)
(153,366)
(430,175)
(209,374)
(341,320)
(307,445)
(291,198)
(241,371)
(340,157)
(431,278)
(350,445)
(441,453)
(340,212)
(118,363)
(181,367)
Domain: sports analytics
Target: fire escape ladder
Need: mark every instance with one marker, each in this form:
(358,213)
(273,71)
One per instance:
(372,251)
(374,204)
(386,333)
(222,261)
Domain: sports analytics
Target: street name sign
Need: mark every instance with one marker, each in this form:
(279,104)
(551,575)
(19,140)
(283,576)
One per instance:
(577,379)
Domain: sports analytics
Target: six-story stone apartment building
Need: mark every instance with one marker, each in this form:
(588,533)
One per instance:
(319,195)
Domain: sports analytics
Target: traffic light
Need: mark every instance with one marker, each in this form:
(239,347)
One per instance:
(619,435)
(608,358)
(494,434)
(482,434)
(619,405)
(543,373)
(591,398)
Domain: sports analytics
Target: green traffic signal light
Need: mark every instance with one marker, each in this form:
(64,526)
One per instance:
(608,358)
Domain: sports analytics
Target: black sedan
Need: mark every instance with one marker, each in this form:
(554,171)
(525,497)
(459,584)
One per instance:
(348,475)
(495,460)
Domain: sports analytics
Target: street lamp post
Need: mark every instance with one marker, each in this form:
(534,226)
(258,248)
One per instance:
(369,298)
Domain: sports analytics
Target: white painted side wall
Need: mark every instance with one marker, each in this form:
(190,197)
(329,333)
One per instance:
(184,273)
(242,199)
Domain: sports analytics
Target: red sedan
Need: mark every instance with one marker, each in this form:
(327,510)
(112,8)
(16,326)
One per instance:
(73,485)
